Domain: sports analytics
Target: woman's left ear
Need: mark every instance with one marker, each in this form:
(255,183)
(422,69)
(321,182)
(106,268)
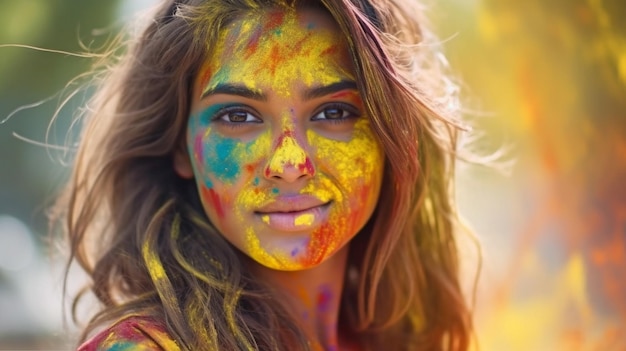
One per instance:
(182,164)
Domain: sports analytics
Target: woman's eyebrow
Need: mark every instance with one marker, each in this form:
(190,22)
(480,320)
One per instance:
(329,89)
(312,93)
(234,89)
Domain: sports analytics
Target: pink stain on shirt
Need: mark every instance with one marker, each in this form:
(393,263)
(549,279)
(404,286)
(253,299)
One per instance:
(132,333)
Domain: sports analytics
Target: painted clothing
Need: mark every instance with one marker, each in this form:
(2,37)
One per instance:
(132,333)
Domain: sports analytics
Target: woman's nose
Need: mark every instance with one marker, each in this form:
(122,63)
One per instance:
(289,161)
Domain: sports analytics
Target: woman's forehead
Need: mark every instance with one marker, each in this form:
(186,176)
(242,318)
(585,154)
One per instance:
(274,47)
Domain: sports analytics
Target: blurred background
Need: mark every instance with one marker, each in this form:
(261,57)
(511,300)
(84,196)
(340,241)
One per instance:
(544,81)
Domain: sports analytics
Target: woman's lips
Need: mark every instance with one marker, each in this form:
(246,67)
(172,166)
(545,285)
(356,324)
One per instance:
(294,213)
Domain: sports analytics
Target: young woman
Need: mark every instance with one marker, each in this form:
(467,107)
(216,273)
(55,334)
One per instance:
(271,175)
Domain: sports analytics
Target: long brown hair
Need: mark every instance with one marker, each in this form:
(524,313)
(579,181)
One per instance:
(140,232)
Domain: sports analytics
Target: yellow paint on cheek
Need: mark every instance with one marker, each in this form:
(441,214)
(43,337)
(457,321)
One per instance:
(325,191)
(207,133)
(304,219)
(359,159)
(266,219)
(355,169)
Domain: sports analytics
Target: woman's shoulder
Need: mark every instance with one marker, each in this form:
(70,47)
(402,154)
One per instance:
(137,333)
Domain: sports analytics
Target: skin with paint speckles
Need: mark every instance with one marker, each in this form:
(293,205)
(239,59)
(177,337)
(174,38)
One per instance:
(287,165)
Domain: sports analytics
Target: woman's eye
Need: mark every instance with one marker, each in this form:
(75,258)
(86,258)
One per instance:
(335,113)
(238,116)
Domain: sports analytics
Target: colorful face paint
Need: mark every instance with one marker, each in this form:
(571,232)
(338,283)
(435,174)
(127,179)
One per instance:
(270,49)
(287,166)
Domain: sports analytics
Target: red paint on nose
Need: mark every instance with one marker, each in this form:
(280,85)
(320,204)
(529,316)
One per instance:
(307,167)
(281,139)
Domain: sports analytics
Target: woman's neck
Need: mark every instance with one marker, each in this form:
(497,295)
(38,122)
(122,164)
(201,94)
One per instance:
(313,296)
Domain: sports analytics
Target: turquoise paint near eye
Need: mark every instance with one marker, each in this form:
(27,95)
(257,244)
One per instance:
(206,116)
(217,151)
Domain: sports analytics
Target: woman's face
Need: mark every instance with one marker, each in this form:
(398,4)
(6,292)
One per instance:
(286,163)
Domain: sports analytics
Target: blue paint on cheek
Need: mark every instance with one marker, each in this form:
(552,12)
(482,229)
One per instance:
(275,191)
(256,181)
(224,164)
(221,161)
(217,155)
